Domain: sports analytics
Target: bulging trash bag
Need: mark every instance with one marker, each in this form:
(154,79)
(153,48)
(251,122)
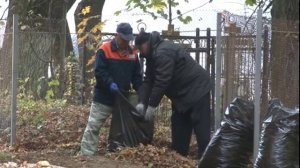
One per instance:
(232,144)
(279,142)
(128,127)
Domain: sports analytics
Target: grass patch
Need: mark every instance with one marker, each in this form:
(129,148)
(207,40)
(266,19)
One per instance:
(5,156)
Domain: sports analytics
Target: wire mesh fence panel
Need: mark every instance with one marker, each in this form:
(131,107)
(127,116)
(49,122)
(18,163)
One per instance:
(35,58)
(279,62)
(51,68)
(40,66)
(238,53)
(47,65)
(5,83)
(239,68)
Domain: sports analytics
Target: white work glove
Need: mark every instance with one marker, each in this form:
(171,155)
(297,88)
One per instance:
(140,108)
(149,116)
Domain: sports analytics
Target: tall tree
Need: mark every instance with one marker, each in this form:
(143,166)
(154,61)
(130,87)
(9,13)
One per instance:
(5,52)
(285,51)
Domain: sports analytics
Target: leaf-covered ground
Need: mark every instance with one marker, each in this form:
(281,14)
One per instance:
(53,134)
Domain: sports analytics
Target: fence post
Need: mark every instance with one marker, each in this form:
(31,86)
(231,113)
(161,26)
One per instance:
(197,42)
(209,60)
(257,96)
(209,68)
(218,58)
(15,56)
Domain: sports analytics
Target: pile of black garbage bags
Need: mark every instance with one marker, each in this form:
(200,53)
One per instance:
(232,144)
(128,127)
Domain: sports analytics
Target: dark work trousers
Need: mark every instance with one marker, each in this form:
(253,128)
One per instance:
(196,118)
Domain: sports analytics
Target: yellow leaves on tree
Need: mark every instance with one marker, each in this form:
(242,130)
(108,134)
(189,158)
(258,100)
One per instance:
(86,10)
(158,4)
(98,27)
(95,31)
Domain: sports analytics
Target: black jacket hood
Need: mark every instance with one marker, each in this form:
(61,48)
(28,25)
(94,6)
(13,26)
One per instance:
(155,39)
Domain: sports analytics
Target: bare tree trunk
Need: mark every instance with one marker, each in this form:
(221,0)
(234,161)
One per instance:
(285,51)
(5,53)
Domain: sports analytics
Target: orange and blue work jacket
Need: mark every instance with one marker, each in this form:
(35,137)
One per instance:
(113,65)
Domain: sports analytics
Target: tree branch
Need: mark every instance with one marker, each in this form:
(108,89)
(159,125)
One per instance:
(268,6)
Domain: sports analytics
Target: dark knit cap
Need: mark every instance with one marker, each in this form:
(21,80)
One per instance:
(142,38)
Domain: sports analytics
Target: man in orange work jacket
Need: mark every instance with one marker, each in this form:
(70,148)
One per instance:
(117,68)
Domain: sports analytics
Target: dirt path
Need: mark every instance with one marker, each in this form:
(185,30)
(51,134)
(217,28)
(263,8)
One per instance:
(56,139)
(68,161)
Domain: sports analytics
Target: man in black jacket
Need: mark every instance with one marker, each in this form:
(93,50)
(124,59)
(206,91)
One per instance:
(171,71)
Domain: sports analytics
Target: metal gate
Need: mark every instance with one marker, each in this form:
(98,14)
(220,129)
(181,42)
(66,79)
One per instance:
(201,48)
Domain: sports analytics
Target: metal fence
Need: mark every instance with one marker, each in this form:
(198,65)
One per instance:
(237,48)
(239,55)
(200,46)
(5,81)
(254,64)
(47,63)
(48,68)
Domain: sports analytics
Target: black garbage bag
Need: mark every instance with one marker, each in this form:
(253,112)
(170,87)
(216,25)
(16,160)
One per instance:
(279,143)
(128,127)
(232,144)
